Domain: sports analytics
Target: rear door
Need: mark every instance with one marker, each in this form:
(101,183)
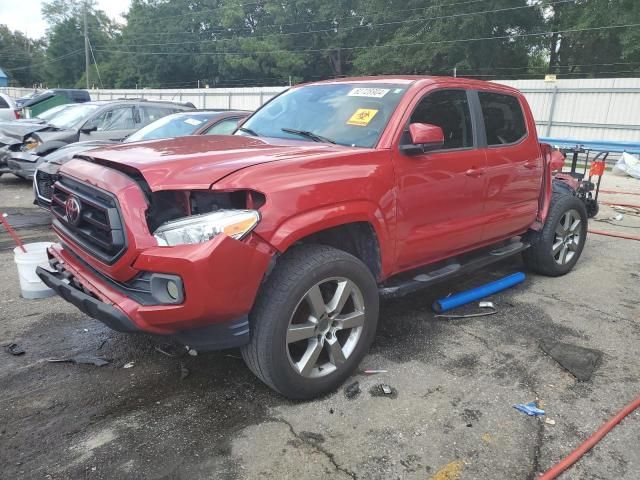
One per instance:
(440,192)
(514,166)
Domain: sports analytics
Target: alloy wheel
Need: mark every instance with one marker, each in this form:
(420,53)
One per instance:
(568,235)
(325,327)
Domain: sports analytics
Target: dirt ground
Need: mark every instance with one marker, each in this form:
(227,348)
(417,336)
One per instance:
(450,416)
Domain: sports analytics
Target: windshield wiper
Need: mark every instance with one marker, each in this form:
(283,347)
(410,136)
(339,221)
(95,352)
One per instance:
(305,133)
(249,131)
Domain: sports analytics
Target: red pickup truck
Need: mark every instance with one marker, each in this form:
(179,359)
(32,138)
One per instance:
(281,238)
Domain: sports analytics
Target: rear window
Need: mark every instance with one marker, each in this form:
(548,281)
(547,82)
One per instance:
(503,118)
(3,103)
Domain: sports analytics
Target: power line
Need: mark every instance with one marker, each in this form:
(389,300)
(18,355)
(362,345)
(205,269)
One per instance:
(53,60)
(390,45)
(333,29)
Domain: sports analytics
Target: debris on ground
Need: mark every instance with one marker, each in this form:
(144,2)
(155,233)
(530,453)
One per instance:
(81,359)
(530,409)
(184,372)
(549,421)
(451,471)
(383,390)
(486,305)
(128,365)
(373,372)
(352,390)
(192,352)
(168,350)
(15,349)
(578,361)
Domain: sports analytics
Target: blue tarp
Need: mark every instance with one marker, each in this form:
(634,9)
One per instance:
(4,80)
(593,145)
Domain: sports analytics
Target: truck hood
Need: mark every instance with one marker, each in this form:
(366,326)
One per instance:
(197,162)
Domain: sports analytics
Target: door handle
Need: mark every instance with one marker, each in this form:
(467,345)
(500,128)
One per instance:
(474,172)
(530,165)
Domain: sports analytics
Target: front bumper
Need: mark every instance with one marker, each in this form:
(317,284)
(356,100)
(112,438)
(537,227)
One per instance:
(220,277)
(23,164)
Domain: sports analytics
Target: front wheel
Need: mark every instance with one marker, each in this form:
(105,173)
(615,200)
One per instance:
(557,247)
(313,321)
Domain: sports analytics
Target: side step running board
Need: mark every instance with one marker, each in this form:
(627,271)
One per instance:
(405,283)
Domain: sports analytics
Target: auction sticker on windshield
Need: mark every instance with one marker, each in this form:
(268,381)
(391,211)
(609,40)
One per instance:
(368,92)
(362,117)
(193,121)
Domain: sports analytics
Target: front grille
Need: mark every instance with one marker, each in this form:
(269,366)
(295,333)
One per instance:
(98,228)
(44,183)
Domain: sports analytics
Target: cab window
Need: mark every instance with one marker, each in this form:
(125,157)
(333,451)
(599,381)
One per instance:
(224,127)
(449,110)
(503,118)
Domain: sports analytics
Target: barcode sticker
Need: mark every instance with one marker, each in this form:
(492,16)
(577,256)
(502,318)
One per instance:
(368,92)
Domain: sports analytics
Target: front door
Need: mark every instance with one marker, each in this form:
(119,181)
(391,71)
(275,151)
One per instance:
(112,124)
(440,193)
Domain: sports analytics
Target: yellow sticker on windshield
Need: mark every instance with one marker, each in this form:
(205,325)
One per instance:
(362,117)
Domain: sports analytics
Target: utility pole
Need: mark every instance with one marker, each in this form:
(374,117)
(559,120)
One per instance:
(86,46)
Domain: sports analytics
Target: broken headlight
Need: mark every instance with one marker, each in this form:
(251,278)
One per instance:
(202,228)
(31,143)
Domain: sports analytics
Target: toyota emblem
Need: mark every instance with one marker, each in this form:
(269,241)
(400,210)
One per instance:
(72,210)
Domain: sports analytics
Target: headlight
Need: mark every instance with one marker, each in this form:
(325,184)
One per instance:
(202,228)
(31,143)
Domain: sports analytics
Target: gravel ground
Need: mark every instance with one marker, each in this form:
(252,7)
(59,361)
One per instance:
(450,415)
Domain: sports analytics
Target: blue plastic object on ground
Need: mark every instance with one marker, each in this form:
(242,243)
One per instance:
(530,409)
(463,298)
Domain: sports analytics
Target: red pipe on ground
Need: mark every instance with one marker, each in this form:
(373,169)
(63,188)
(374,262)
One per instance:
(619,193)
(574,456)
(626,236)
(614,204)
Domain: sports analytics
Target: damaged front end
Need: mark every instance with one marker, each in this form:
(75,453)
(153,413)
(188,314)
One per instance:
(182,263)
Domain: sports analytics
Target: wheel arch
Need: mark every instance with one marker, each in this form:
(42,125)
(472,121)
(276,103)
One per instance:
(355,228)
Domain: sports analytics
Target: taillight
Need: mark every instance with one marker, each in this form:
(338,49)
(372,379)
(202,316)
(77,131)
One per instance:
(17,113)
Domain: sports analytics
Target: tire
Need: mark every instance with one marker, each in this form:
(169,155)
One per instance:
(557,247)
(296,346)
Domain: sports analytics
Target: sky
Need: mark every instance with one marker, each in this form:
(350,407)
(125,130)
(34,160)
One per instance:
(24,15)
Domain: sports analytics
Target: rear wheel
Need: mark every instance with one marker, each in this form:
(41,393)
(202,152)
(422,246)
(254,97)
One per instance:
(557,247)
(313,321)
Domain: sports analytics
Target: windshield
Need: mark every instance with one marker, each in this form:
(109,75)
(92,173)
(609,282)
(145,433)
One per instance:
(52,112)
(353,114)
(177,125)
(74,117)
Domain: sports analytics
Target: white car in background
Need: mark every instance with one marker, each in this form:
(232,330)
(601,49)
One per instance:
(8,109)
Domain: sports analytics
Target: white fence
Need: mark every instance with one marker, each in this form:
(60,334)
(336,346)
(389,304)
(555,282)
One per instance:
(248,98)
(587,109)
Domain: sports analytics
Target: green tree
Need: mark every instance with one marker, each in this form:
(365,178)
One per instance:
(21,58)
(65,50)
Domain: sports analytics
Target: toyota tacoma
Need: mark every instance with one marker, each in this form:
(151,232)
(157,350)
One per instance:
(281,238)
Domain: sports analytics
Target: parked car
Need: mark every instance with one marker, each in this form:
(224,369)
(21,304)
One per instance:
(7,141)
(280,239)
(102,120)
(214,122)
(8,109)
(43,101)
(20,101)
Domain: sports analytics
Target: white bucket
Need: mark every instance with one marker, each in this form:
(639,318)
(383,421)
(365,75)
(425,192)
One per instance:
(36,256)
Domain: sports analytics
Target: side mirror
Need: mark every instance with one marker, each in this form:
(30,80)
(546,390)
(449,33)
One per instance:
(424,137)
(90,129)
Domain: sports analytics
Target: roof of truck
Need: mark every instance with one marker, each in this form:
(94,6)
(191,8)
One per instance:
(421,80)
